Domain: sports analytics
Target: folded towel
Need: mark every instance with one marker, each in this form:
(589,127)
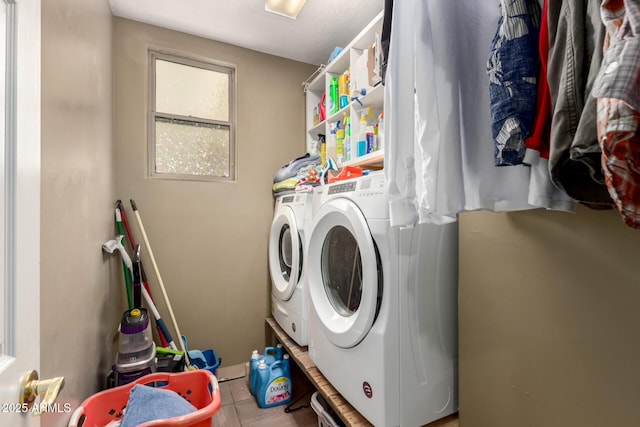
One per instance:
(150,403)
(292,168)
(286,185)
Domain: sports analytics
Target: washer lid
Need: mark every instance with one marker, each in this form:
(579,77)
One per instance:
(285,253)
(342,272)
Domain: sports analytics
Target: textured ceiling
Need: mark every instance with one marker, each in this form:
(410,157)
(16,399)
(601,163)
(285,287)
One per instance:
(321,26)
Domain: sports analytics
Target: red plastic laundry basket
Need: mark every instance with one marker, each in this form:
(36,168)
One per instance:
(200,388)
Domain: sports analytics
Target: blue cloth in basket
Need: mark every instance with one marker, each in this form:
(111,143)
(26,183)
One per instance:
(150,403)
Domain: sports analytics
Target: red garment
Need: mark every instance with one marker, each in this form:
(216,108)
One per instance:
(540,136)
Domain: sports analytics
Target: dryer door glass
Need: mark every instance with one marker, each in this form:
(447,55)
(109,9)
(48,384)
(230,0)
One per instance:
(342,270)
(286,253)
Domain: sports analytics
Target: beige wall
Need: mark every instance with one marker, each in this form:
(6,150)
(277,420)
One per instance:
(210,238)
(548,320)
(79,293)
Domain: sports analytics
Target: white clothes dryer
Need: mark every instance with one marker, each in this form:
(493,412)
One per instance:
(383,312)
(287,251)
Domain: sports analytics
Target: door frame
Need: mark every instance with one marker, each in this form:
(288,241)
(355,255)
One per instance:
(21,207)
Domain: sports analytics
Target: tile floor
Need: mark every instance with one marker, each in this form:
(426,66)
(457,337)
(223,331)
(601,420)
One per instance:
(239,409)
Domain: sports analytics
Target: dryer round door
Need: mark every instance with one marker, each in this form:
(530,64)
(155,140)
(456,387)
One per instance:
(343,272)
(285,254)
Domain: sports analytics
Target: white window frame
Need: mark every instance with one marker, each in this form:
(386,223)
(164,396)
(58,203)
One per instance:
(205,64)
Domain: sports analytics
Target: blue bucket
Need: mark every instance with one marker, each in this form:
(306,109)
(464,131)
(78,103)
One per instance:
(203,359)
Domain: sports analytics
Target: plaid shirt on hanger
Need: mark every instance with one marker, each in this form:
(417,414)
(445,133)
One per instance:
(617,89)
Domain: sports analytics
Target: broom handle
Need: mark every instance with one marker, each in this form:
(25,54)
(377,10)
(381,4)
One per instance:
(162,288)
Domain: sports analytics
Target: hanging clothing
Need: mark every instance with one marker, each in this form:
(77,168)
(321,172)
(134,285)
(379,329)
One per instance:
(576,35)
(439,151)
(385,36)
(617,89)
(542,192)
(512,69)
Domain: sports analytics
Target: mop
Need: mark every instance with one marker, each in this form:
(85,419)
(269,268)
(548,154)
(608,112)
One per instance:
(122,223)
(161,283)
(116,245)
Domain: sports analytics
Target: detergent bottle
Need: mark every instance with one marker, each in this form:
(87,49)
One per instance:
(286,365)
(370,137)
(273,354)
(253,367)
(343,89)
(274,383)
(340,145)
(334,105)
(362,136)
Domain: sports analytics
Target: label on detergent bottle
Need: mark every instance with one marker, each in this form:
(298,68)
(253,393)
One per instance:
(278,391)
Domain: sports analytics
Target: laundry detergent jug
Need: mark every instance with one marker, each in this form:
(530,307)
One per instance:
(270,355)
(273,354)
(253,371)
(274,383)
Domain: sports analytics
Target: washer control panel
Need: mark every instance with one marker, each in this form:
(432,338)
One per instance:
(344,187)
(372,185)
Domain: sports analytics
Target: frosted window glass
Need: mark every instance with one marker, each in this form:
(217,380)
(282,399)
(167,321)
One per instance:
(190,91)
(187,148)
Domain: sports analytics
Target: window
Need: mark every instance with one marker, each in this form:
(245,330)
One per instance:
(191,120)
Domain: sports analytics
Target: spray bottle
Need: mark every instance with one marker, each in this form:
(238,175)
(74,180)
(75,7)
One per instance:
(331,141)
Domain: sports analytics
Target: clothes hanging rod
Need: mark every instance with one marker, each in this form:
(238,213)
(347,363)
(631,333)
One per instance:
(306,83)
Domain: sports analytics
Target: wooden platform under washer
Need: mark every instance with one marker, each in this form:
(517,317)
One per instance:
(343,409)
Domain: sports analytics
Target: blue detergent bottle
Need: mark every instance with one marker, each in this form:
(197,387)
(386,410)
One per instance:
(274,383)
(273,354)
(253,366)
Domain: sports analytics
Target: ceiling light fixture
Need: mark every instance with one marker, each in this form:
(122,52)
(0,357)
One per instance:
(288,8)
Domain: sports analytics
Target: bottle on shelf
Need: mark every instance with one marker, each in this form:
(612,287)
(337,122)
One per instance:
(322,108)
(314,149)
(362,136)
(333,95)
(323,148)
(331,141)
(347,139)
(339,144)
(343,89)
(370,138)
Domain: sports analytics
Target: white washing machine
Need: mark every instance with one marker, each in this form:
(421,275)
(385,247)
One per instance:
(287,251)
(383,312)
